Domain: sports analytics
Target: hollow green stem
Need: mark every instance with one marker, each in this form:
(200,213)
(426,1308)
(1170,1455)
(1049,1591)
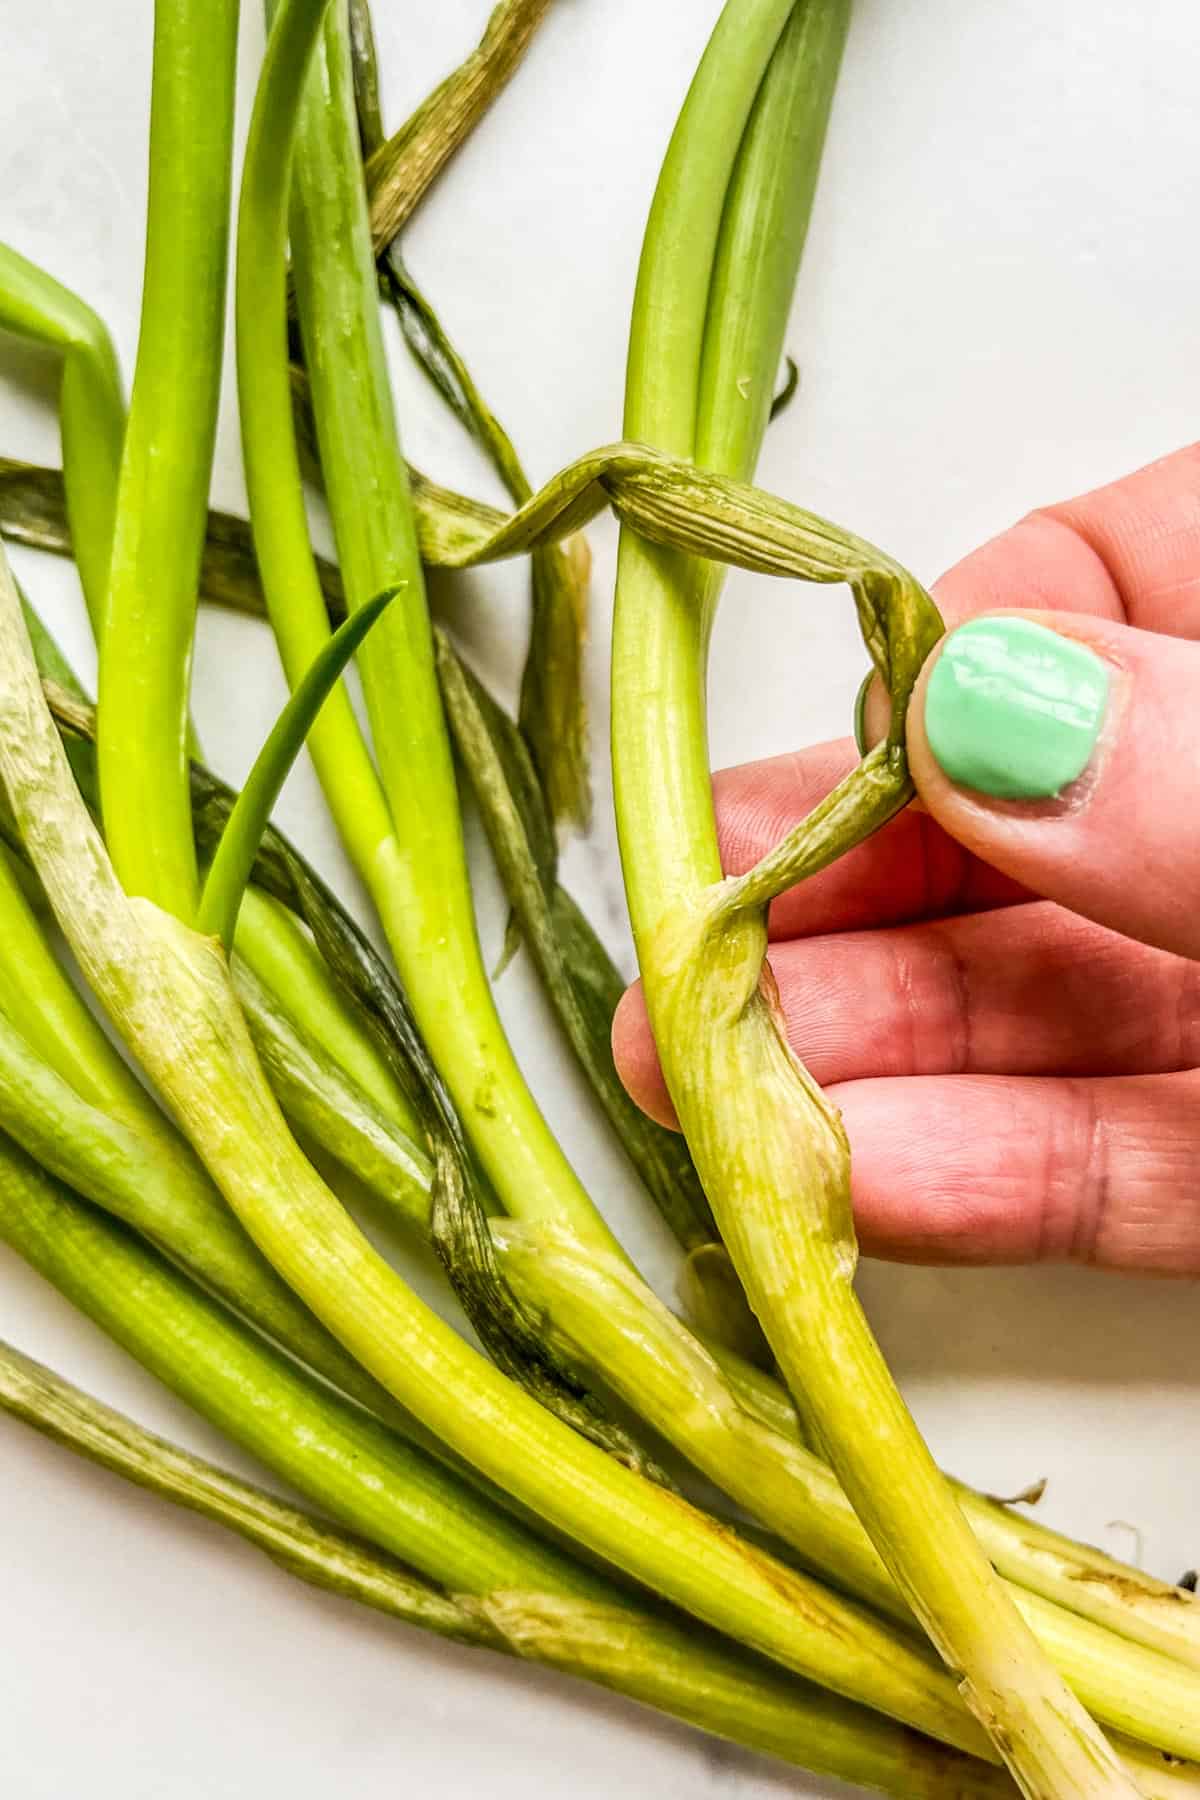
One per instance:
(146,644)
(772,1157)
(272,465)
(417,877)
(299,1542)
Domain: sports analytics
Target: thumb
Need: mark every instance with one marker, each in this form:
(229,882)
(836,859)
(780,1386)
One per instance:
(1062,748)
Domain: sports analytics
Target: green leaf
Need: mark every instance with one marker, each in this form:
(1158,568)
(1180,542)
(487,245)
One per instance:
(231,867)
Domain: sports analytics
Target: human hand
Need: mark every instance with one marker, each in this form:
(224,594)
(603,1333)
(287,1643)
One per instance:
(999,990)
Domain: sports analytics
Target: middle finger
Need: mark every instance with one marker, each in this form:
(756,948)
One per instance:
(1025,990)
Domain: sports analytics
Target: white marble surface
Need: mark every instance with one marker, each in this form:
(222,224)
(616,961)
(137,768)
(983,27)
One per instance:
(1000,307)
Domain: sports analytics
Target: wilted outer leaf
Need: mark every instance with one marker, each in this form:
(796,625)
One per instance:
(402,170)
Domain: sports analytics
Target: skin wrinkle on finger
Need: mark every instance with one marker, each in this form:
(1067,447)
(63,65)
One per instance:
(1076,1181)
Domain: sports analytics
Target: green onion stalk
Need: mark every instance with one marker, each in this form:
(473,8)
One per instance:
(91,404)
(527,779)
(168,992)
(401,826)
(425,1549)
(364,479)
(711,303)
(552,707)
(347,1115)
(606,1321)
(1153,1702)
(166,465)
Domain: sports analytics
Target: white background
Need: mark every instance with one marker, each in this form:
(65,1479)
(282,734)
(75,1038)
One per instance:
(1001,306)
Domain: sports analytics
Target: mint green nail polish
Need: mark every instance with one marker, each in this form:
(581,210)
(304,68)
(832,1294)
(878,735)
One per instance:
(1014,710)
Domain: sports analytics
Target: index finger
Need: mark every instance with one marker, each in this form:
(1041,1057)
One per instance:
(1128,551)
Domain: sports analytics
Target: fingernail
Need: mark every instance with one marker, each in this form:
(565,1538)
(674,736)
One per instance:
(1013,710)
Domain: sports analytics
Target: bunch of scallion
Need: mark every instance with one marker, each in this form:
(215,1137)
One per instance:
(859,1615)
